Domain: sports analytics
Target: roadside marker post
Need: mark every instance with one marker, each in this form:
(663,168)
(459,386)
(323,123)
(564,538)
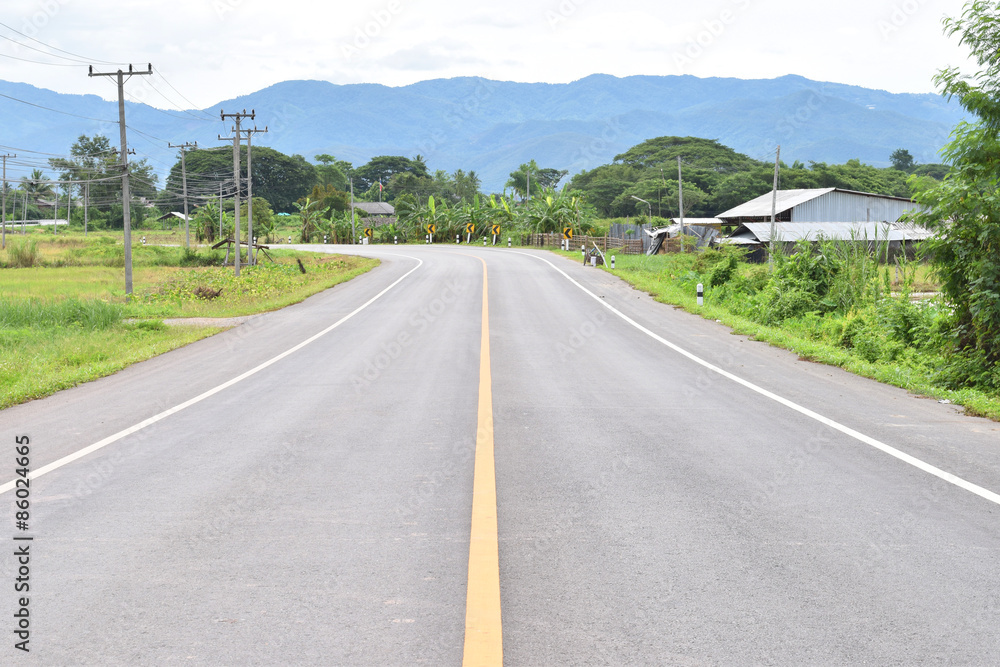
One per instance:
(395,240)
(612,261)
(701,294)
(508,241)
(458,238)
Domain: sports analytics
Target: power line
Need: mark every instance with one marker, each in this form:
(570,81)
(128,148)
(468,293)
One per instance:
(33,48)
(65,113)
(54,48)
(193,105)
(39,62)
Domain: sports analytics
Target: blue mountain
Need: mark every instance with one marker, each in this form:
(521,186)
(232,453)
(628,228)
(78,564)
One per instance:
(491,127)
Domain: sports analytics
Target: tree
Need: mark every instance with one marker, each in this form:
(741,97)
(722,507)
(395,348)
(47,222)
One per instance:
(95,160)
(37,186)
(334,172)
(902,160)
(964,209)
(381,169)
(530,175)
(280,179)
(466,185)
(309,216)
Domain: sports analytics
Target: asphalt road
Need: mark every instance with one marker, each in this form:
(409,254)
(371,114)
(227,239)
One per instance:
(667,493)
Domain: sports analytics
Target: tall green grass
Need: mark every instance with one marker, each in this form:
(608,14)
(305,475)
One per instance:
(37,313)
(23,254)
(834,303)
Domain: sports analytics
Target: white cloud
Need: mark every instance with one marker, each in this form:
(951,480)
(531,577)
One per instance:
(213,50)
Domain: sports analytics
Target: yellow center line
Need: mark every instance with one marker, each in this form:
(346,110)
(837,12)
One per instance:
(483,627)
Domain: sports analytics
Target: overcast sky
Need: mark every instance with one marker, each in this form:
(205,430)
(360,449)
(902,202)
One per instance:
(214,50)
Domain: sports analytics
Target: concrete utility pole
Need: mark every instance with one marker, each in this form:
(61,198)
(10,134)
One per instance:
(3,244)
(220,211)
(774,207)
(353,237)
(126,195)
(237,117)
(184,179)
(250,133)
(86,207)
(680,197)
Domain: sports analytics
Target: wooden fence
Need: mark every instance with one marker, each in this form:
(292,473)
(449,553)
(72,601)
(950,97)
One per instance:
(605,243)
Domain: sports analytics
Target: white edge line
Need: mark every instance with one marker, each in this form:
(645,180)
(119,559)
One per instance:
(69,458)
(846,430)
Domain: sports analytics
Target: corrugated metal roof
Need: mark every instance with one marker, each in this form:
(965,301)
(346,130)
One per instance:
(705,222)
(375,207)
(760,232)
(787,199)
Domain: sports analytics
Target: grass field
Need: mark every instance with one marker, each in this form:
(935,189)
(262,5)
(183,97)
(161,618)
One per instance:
(65,320)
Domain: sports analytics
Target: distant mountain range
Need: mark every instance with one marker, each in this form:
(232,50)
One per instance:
(491,127)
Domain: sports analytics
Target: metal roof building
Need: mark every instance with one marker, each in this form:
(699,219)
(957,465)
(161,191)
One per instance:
(752,233)
(375,208)
(821,205)
(756,236)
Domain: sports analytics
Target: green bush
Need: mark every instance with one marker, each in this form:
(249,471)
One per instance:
(23,254)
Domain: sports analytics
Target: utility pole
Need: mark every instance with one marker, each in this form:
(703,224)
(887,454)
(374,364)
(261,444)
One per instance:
(184,187)
(680,198)
(86,207)
(659,199)
(352,211)
(237,117)
(3,243)
(774,207)
(250,133)
(220,211)
(126,195)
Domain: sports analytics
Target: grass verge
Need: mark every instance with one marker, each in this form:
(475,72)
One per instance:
(66,321)
(672,280)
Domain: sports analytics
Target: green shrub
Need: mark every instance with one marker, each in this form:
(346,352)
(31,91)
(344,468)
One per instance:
(23,254)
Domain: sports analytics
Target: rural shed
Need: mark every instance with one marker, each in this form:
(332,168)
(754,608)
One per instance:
(172,216)
(820,205)
(374,209)
(756,236)
(374,213)
(705,230)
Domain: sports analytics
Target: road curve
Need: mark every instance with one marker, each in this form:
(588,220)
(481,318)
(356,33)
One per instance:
(300,489)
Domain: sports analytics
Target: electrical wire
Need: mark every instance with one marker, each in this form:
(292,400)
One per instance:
(65,113)
(54,48)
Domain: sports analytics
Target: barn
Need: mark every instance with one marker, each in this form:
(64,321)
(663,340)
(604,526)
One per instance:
(820,205)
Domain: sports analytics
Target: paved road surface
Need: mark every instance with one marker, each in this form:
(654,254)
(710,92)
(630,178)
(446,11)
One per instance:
(313,504)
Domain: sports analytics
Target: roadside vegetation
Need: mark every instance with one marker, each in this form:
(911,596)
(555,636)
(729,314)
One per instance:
(64,318)
(832,303)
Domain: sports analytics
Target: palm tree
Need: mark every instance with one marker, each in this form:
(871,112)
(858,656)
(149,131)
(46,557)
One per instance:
(37,186)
